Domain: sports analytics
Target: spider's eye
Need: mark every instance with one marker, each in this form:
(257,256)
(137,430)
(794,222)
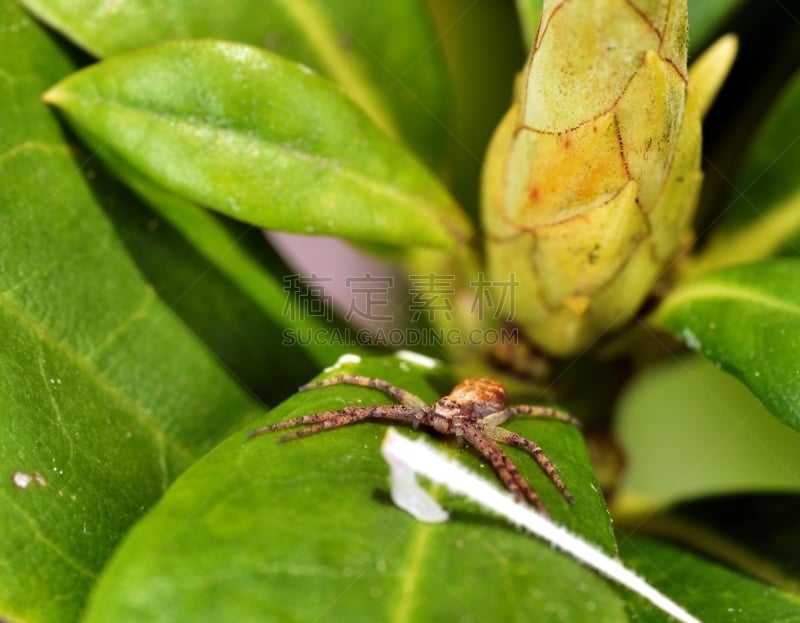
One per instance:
(487,394)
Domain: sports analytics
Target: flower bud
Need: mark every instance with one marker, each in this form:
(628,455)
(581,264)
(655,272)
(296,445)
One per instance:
(591,179)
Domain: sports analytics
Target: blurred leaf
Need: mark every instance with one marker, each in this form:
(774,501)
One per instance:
(105,29)
(763,67)
(259,139)
(727,442)
(236,304)
(529,13)
(707,19)
(469,30)
(746,319)
(385,60)
(708,591)
(708,72)
(104,396)
(758,534)
(212,273)
(305,530)
(765,213)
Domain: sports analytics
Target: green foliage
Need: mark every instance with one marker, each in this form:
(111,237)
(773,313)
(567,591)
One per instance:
(143,315)
(747,319)
(713,593)
(707,19)
(764,215)
(247,112)
(87,346)
(373,54)
(257,520)
(757,452)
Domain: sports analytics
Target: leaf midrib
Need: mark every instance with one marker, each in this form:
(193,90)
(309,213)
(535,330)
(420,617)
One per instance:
(404,608)
(418,203)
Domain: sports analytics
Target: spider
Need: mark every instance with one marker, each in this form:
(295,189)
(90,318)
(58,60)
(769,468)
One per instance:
(472,412)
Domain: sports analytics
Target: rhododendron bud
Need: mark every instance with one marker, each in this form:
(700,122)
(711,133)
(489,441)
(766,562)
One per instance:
(592,178)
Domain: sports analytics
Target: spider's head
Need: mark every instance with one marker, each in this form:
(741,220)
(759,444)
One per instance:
(486,395)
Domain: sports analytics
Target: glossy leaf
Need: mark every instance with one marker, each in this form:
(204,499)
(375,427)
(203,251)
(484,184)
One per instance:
(385,60)
(746,319)
(258,138)
(104,396)
(764,215)
(264,531)
(105,30)
(710,592)
(726,440)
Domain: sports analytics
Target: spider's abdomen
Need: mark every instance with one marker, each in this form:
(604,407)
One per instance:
(487,395)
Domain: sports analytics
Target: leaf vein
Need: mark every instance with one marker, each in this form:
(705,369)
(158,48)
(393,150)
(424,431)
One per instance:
(38,534)
(135,315)
(25,146)
(127,404)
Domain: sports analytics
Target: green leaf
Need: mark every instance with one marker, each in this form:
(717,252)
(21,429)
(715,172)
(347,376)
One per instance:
(709,592)
(529,13)
(105,30)
(469,31)
(726,440)
(707,19)
(212,273)
(746,319)
(260,139)
(758,534)
(375,55)
(239,309)
(305,530)
(764,216)
(104,396)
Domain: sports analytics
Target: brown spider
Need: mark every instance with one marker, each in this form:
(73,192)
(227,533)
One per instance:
(472,412)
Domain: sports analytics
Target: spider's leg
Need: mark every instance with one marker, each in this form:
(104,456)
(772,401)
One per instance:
(313,418)
(506,415)
(400,395)
(333,419)
(533,448)
(504,467)
(330,419)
